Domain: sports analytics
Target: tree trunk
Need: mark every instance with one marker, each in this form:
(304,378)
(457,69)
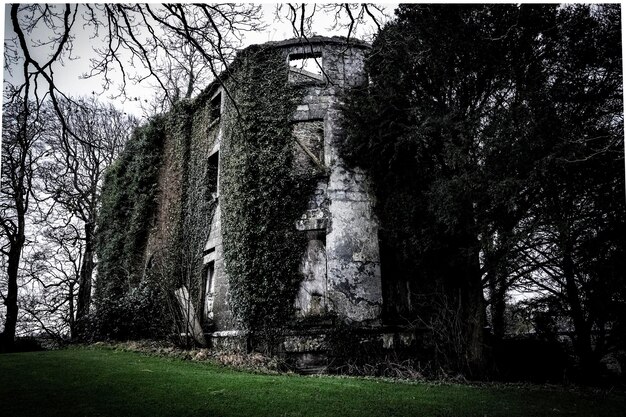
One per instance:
(7,338)
(85,277)
(71,319)
(466,282)
(474,316)
(497,296)
(582,328)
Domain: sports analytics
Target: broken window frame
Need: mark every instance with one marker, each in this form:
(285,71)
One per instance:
(213,176)
(208,285)
(317,57)
(215,108)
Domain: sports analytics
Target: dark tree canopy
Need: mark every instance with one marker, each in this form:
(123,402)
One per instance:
(494,137)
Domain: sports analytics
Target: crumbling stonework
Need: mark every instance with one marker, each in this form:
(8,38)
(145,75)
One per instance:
(341,263)
(342,207)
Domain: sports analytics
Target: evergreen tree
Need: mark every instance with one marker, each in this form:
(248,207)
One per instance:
(493,137)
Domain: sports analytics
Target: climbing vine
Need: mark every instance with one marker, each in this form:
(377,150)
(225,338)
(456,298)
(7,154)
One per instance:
(191,124)
(135,294)
(262,194)
(124,307)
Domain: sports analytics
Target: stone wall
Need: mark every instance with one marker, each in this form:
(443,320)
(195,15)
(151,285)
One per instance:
(340,222)
(341,264)
(165,229)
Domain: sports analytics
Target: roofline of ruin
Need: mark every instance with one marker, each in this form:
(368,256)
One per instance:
(310,41)
(324,40)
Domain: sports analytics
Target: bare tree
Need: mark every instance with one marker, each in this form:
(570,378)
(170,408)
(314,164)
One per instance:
(50,277)
(22,149)
(134,42)
(179,48)
(72,180)
(346,18)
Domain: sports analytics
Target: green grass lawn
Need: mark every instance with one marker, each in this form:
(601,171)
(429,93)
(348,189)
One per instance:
(100,382)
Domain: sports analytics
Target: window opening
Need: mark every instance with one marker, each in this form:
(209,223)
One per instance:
(216,107)
(212,175)
(209,288)
(307,65)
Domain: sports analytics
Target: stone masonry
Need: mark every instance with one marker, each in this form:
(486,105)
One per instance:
(341,265)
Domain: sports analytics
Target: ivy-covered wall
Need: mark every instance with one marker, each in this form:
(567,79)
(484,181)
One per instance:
(126,305)
(157,208)
(154,220)
(262,193)
(184,210)
(287,208)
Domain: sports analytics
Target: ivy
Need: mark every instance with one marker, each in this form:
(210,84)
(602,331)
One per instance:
(190,124)
(128,199)
(262,194)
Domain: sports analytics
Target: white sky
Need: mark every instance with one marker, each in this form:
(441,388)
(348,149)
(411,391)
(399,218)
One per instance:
(70,80)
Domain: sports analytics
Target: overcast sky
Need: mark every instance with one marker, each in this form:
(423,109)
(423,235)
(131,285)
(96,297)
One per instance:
(70,79)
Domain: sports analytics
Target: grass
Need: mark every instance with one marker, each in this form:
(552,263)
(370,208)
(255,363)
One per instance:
(101,382)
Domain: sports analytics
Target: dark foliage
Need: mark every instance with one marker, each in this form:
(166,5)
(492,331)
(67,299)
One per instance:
(126,307)
(493,134)
(262,194)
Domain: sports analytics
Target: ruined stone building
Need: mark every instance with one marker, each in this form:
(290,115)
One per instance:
(341,264)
